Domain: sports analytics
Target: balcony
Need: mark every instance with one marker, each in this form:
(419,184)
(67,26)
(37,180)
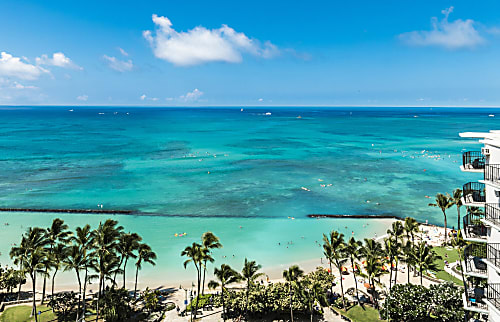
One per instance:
(492,214)
(474,194)
(473,161)
(473,299)
(493,255)
(474,265)
(493,295)
(492,173)
(473,228)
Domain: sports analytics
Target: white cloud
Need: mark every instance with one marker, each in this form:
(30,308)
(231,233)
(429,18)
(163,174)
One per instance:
(17,85)
(123,52)
(9,84)
(201,45)
(143,97)
(118,65)
(58,60)
(452,35)
(11,66)
(260,99)
(191,96)
(82,98)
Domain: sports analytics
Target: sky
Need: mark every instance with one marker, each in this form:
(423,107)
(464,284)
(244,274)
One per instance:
(250,53)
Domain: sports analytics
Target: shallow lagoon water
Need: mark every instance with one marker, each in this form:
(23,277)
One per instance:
(219,169)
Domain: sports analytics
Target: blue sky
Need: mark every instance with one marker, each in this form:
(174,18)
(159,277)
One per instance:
(250,53)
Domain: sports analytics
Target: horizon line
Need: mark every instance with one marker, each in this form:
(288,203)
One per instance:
(245,106)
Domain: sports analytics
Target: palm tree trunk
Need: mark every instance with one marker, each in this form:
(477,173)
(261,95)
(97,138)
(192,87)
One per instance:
(331,274)
(445,227)
(44,284)
(341,283)
(79,293)
(355,280)
(198,293)
(390,275)
(33,311)
(53,281)
(421,278)
(291,299)
(124,269)
(246,300)
(223,304)
(98,297)
(19,291)
(396,274)
(204,272)
(84,292)
(136,275)
(458,211)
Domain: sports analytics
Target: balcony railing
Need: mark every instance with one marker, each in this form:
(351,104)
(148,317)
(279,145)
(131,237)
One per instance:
(474,253)
(492,173)
(473,226)
(473,160)
(474,192)
(493,254)
(492,213)
(493,294)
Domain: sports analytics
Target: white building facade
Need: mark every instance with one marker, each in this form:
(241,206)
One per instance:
(481,226)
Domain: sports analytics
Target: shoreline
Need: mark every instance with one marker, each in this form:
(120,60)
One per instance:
(273,272)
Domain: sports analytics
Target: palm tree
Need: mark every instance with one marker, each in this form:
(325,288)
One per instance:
(75,260)
(32,239)
(146,255)
(16,253)
(250,274)
(392,249)
(407,257)
(195,255)
(127,244)
(110,267)
(226,275)
(57,233)
(396,232)
(374,271)
(334,250)
(425,259)
(104,240)
(443,202)
(456,200)
(460,243)
(35,262)
(209,242)
(292,275)
(352,249)
(83,239)
(312,295)
(411,228)
(56,257)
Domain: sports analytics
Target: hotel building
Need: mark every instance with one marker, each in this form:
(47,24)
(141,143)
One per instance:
(481,226)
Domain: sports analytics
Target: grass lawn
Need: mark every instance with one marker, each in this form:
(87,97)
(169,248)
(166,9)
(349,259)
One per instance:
(452,257)
(22,313)
(358,314)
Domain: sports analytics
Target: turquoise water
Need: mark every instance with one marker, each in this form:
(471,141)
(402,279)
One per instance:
(192,170)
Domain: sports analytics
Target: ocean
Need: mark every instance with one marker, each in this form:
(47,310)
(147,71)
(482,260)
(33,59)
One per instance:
(251,176)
